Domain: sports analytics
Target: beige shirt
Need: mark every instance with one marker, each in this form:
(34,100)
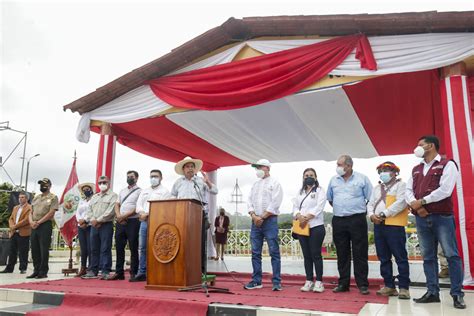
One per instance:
(42,204)
(101,207)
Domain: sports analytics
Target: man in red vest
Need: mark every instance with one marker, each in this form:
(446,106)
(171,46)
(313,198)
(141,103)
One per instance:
(429,192)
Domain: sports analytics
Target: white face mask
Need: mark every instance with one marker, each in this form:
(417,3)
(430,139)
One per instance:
(103,187)
(419,151)
(260,173)
(340,171)
(155,181)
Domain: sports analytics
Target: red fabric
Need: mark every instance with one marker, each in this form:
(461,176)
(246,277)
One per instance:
(459,132)
(110,298)
(69,229)
(160,138)
(260,79)
(105,167)
(395,110)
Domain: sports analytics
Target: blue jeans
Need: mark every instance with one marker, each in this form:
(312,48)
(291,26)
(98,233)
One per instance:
(390,241)
(431,230)
(101,248)
(84,235)
(269,231)
(142,238)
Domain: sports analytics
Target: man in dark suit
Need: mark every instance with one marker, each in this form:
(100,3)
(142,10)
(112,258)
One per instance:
(20,231)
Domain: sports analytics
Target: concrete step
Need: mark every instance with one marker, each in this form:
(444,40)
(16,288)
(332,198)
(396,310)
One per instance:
(19,302)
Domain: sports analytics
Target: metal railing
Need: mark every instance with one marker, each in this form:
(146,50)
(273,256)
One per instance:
(238,243)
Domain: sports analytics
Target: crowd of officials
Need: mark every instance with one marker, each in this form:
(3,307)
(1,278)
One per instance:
(427,194)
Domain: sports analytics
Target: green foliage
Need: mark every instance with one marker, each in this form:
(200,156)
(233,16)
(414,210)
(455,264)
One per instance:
(4,198)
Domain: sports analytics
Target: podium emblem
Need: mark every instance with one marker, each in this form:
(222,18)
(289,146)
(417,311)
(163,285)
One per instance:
(166,243)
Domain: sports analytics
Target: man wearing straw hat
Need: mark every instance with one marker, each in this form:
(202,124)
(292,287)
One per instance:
(190,186)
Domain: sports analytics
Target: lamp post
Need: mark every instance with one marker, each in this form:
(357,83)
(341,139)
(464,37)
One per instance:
(27,170)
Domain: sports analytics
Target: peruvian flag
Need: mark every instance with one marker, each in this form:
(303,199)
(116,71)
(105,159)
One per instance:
(65,217)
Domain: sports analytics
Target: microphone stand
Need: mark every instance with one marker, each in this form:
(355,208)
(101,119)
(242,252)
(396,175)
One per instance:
(203,286)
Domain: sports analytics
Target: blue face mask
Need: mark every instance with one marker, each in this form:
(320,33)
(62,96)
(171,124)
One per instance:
(385,177)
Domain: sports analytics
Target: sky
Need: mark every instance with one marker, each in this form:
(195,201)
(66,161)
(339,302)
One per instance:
(53,53)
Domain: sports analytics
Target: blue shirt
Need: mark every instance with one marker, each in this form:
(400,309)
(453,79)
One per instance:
(349,197)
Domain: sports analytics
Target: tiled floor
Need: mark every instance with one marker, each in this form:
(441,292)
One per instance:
(293,266)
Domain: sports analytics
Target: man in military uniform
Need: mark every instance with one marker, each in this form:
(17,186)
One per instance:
(44,206)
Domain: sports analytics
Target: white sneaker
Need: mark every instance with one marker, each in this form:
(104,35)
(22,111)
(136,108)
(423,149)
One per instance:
(318,287)
(308,286)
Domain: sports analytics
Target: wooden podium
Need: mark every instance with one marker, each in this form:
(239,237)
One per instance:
(174,244)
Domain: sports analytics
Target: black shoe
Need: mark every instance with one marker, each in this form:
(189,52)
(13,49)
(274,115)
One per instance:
(22,271)
(459,302)
(6,271)
(32,276)
(364,290)
(427,298)
(340,288)
(41,276)
(138,278)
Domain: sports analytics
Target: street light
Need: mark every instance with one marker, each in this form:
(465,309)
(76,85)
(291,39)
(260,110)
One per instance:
(27,170)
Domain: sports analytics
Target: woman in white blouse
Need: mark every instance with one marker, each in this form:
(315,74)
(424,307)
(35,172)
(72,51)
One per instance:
(84,228)
(308,208)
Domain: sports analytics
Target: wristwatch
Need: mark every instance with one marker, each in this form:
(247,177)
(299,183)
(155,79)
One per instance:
(423,202)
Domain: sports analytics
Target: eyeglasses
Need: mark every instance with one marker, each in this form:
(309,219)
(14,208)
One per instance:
(103,182)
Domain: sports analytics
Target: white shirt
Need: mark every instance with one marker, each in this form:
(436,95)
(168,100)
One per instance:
(398,190)
(266,195)
(151,194)
(82,209)
(131,202)
(313,204)
(446,183)
(18,214)
(184,189)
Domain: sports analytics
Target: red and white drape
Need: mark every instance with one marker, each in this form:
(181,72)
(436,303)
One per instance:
(106,158)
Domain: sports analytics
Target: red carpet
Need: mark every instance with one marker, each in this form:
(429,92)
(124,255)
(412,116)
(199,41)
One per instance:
(120,297)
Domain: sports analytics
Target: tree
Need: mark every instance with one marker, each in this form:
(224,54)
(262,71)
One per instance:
(5,213)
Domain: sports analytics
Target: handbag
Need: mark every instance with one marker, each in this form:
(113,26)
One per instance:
(296,228)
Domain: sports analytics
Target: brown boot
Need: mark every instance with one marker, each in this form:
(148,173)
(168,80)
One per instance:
(444,273)
(81,272)
(404,294)
(386,291)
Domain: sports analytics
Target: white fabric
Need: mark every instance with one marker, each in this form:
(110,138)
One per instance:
(398,190)
(18,214)
(223,57)
(446,183)
(134,105)
(303,124)
(266,195)
(151,194)
(313,204)
(82,209)
(131,202)
(394,54)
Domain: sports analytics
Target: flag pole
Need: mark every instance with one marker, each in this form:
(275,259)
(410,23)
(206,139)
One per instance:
(70,268)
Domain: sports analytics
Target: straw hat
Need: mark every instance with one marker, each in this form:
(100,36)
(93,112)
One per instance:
(87,184)
(262,162)
(179,166)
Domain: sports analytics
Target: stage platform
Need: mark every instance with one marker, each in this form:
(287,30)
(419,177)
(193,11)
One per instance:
(71,296)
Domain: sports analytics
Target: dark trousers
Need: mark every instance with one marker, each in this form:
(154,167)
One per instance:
(311,247)
(19,246)
(390,241)
(84,235)
(40,243)
(123,233)
(101,248)
(351,231)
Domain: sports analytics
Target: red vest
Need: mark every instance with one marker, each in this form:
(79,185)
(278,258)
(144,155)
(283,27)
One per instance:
(423,185)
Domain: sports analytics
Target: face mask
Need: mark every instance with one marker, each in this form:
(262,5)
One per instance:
(103,187)
(309,181)
(385,177)
(88,193)
(43,189)
(130,181)
(155,181)
(419,151)
(340,171)
(260,173)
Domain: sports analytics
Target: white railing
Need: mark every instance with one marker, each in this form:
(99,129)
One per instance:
(238,243)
